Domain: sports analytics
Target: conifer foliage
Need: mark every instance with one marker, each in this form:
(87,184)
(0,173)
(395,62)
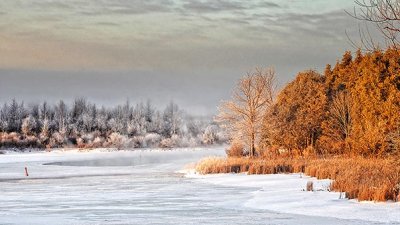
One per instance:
(353,108)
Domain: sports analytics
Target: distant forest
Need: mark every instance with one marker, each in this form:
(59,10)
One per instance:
(85,125)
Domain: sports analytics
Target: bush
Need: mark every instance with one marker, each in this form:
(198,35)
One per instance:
(58,139)
(137,142)
(152,139)
(15,140)
(167,143)
(236,149)
(174,141)
(98,142)
(116,140)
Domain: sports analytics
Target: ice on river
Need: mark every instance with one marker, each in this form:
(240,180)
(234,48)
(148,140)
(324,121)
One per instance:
(144,187)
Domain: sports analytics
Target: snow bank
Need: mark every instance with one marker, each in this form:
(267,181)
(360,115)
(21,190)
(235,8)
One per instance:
(285,193)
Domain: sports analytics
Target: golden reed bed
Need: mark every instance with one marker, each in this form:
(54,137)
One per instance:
(360,178)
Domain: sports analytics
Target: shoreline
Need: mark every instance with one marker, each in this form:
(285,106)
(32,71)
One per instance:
(370,179)
(9,151)
(285,193)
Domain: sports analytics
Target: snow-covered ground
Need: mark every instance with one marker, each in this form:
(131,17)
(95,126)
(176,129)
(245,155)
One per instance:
(286,193)
(144,187)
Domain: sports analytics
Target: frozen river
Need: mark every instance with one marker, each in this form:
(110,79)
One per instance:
(127,187)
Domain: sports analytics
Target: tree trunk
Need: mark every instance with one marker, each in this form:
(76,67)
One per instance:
(252,145)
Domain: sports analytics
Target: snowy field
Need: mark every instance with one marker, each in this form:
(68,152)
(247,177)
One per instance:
(149,187)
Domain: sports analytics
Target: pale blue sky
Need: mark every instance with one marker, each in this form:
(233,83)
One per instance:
(189,51)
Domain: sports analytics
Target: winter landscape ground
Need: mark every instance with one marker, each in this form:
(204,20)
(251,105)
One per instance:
(159,187)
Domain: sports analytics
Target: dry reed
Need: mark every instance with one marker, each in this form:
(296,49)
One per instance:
(360,178)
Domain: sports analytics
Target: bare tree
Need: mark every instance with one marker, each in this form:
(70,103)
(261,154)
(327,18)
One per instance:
(340,113)
(385,14)
(242,116)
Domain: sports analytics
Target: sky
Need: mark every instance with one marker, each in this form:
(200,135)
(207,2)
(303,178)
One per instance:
(190,52)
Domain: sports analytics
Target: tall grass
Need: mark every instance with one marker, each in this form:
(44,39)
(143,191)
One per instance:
(360,178)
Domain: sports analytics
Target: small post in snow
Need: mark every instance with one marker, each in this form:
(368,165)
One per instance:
(26,172)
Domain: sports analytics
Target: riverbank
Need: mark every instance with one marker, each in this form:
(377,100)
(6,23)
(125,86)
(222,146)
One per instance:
(286,193)
(359,178)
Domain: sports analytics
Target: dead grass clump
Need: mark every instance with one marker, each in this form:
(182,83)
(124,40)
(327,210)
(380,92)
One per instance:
(249,165)
(310,186)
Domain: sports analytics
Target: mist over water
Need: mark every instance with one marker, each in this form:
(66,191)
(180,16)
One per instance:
(136,158)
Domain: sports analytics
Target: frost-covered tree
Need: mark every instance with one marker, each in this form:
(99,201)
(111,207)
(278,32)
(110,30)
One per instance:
(138,121)
(61,116)
(83,124)
(149,112)
(14,113)
(34,112)
(101,120)
(87,122)
(172,118)
(44,112)
(28,125)
(45,131)
(4,118)
(114,125)
(157,124)
(79,107)
(210,135)
(193,126)
(88,118)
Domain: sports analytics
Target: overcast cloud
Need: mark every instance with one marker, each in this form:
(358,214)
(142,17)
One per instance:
(188,51)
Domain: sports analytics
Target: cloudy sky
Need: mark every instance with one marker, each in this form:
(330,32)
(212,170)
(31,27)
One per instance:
(188,51)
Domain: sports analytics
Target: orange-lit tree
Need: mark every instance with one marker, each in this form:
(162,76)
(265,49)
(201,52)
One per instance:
(294,121)
(242,115)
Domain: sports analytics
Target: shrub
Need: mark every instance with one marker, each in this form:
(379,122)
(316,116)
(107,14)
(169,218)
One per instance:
(152,139)
(98,142)
(236,149)
(116,140)
(58,138)
(15,140)
(167,143)
(137,142)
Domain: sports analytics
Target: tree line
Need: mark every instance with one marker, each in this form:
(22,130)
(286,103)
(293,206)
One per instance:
(353,108)
(85,125)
